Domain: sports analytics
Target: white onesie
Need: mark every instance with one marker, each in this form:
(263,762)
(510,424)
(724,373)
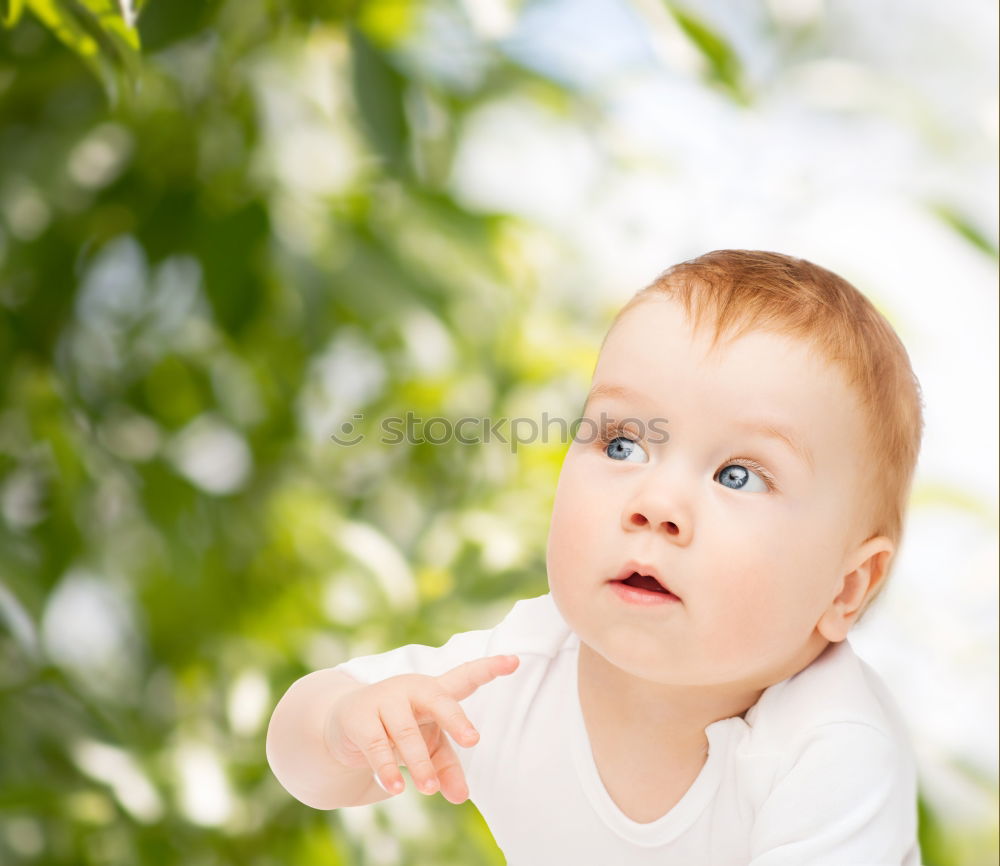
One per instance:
(819,773)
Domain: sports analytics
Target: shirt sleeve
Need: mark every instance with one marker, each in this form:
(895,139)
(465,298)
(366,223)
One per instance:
(418,659)
(848,799)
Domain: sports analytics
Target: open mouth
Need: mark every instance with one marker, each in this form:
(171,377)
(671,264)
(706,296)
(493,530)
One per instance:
(646,583)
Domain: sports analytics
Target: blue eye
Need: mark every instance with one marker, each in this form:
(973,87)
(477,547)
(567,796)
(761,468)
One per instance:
(736,476)
(621,448)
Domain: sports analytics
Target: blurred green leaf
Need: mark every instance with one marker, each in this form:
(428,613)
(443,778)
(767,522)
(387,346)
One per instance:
(11,10)
(96,31)
(387,22)
(724,66)
(966,227)
(379,91)
(953,496)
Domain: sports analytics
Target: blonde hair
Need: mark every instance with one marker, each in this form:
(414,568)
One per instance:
(736,291)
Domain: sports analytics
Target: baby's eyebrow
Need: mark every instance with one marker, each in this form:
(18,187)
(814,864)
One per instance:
(769,429)
(774,430)
(622,391)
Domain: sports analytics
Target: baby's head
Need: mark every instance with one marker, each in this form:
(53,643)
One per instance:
(768,427)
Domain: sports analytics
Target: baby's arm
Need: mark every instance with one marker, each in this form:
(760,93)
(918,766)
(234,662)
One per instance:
(329,734)
(296,748)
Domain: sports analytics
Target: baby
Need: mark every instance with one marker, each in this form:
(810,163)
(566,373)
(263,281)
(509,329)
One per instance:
(685,693)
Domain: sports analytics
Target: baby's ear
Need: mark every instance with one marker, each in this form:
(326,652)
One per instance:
(870,565)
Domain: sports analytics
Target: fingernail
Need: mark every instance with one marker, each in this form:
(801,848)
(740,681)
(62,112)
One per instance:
(394,787)
(429,786)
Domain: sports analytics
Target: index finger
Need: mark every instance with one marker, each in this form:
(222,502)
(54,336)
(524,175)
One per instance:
(462,681)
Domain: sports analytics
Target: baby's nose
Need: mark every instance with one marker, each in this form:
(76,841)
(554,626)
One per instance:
(658,507)
(639,519)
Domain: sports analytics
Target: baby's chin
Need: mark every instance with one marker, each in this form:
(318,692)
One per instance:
(678,664)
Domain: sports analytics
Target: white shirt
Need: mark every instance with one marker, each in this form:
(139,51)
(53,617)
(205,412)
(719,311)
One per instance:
(819,773)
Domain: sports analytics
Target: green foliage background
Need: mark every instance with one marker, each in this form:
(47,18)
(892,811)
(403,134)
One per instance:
(164,284)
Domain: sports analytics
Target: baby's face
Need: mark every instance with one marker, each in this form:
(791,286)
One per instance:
(750,533)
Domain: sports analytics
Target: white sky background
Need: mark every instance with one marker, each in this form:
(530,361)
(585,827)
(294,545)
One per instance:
(846,143)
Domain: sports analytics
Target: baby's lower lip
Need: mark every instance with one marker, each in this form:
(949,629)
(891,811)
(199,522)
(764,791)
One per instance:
(635,595)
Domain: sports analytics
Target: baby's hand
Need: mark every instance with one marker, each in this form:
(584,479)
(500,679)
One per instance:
(402,720)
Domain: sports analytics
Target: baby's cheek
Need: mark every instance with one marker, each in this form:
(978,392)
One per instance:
(560,544)
(573,509)
(743,597)
(564,543)
(762,611)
